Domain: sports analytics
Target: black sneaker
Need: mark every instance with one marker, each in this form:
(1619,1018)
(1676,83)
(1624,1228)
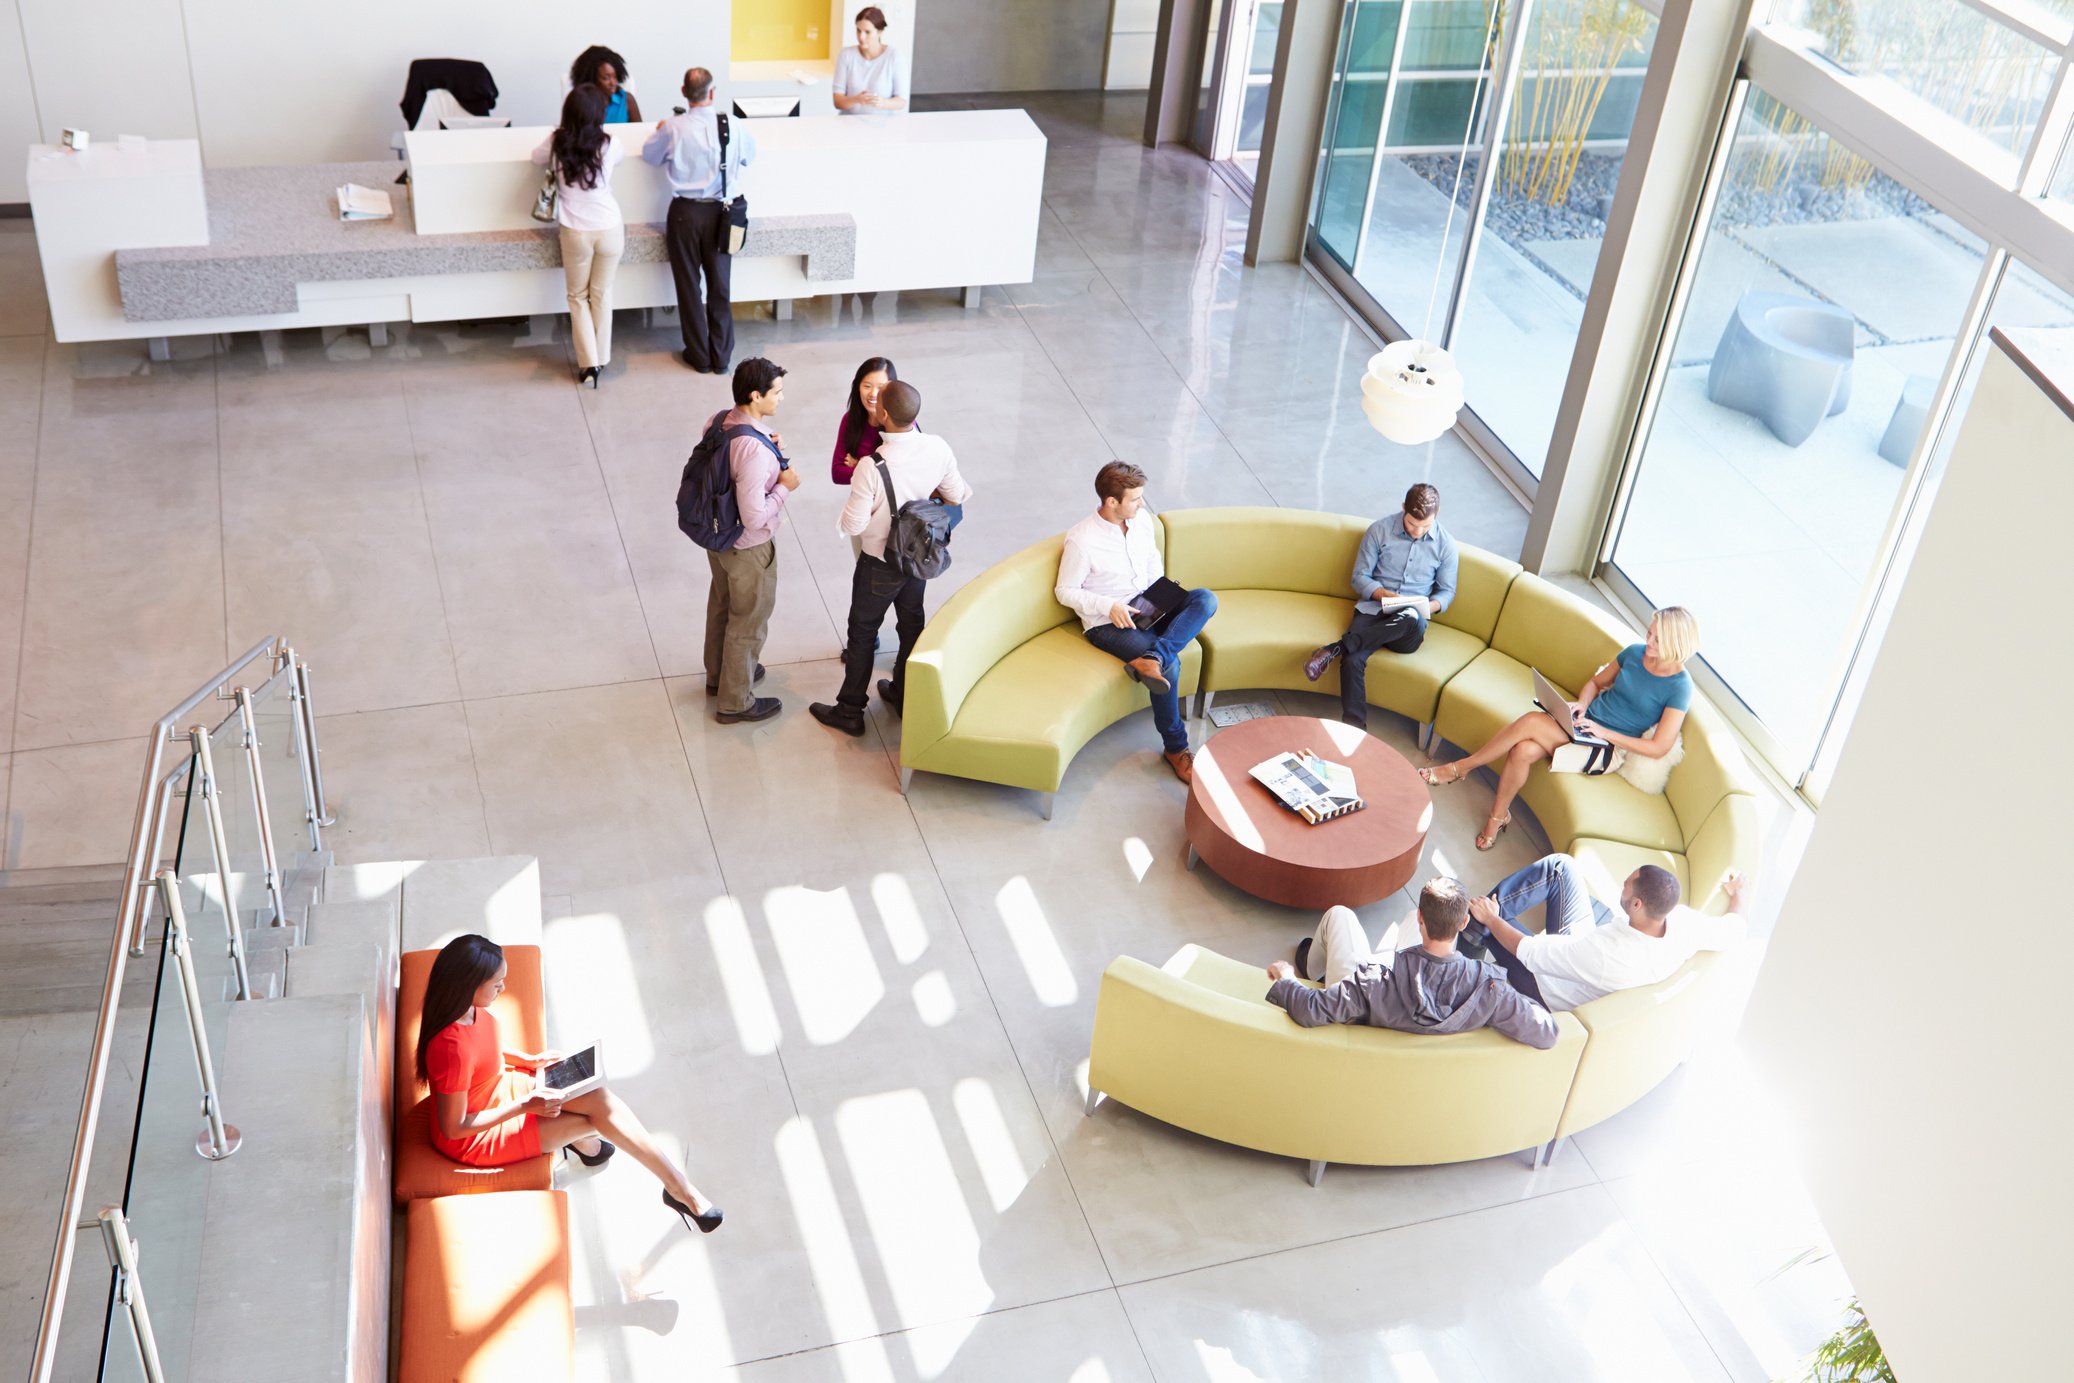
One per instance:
(838,718)
(713,688)
(762,708)
(1303,957)
(886,694)
(696,367)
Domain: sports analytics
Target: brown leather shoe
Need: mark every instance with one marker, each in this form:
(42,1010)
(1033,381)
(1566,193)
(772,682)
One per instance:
(1182,761)
(1149,672)
(1320,659)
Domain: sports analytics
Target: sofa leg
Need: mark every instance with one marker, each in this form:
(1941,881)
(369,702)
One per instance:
(1202,704)
(1193,858)
(1315,1173)
(1545,1155)
(1426,737)
(1044,803)
(1094,1098)
(907,775)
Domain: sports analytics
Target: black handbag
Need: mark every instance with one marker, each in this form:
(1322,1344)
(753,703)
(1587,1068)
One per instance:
(738,209)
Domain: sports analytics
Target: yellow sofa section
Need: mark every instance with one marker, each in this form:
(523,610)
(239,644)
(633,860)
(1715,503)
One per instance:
(1196,1044)
(1281,578)
(1003,686)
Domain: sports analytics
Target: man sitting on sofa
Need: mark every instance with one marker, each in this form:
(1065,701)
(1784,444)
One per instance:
(1406,554)
(1428,988)
(1585,949)
(1110,558)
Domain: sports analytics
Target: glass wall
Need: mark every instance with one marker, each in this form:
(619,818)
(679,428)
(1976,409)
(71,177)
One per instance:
(1826,306)
(1258,83)
(1410,88)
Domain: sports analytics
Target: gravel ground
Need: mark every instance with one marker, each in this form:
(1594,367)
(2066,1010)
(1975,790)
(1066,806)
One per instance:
(1582,215)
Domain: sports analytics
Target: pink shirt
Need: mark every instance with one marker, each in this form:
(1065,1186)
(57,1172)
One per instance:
(757,491)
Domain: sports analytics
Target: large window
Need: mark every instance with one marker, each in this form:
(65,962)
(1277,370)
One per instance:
(1414,81)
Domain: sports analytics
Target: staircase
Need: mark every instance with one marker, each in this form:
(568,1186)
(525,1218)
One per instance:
(55,929)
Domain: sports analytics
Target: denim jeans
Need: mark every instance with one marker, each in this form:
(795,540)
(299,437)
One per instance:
(1131,644)
(1557,881)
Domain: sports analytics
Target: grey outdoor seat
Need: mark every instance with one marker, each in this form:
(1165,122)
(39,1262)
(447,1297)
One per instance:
(1785,361)
(1910,413)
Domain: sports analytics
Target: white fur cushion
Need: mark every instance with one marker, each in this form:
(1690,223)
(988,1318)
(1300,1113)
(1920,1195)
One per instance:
(1651,775)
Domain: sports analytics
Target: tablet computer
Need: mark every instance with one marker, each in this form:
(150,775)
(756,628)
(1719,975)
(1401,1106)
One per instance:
(578,1073)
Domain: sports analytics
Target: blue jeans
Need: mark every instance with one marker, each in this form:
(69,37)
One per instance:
(1557,881)
(1132,644)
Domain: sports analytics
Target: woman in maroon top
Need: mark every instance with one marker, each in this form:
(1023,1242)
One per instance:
(485,1112)
(857,436)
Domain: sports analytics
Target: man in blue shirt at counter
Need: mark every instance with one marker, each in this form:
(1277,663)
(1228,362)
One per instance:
(1407,554)
(687,148)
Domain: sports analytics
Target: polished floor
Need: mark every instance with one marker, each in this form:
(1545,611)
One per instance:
(864,1018)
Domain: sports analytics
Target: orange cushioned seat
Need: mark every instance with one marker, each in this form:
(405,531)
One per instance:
(422,1170)
(486,1290)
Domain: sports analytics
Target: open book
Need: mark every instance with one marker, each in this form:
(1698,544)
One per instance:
(1314,788)
(1389,603)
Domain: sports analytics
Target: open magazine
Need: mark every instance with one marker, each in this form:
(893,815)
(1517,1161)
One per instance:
(1315,789)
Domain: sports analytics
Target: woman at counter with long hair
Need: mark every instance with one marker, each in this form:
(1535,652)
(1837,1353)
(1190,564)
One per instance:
(484,1111)
(593,232)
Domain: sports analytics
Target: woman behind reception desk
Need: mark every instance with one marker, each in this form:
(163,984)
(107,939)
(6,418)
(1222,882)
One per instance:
(607,71)
(867,77)
(593,232)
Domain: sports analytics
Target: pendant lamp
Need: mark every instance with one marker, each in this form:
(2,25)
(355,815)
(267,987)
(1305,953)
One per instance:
(1412,390)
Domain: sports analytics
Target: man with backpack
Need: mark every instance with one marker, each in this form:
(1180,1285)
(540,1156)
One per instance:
(901,508)
(745,499)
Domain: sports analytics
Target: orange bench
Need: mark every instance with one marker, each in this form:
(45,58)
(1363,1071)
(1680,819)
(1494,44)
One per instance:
(486,1290)
(422,1170)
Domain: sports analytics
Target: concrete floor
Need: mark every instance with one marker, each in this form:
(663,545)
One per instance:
(864,1018)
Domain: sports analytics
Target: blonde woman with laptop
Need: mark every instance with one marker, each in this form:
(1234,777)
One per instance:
(1636,703)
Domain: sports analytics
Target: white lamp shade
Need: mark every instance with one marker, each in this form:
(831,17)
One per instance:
(1411,391)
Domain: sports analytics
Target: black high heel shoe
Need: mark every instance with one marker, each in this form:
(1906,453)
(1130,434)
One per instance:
(589,375)
(597,1159)
(707,1222)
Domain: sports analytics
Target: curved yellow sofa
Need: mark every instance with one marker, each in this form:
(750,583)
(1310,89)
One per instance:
(1196,1044)
(1002,686)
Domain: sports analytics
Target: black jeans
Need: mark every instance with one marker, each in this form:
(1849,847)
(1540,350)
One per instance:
(695,234)
(874,586)
(1399,631)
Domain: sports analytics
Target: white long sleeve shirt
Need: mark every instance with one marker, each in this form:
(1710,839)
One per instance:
(1103,563)
(921,464)
(1575,967)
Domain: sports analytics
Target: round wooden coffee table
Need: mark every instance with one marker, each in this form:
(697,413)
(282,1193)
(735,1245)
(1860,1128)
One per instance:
(1251,841)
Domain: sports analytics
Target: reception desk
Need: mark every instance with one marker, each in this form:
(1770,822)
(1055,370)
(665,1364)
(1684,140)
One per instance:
(151,244)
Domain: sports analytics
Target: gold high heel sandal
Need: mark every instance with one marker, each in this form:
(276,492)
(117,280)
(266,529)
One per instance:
(1490,837)
(1432,775)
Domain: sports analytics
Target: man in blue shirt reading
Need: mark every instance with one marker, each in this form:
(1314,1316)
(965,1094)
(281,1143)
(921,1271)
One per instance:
(1404,574)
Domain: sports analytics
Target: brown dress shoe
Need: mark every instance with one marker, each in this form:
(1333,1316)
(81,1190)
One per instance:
(1182,761)
(1320,659)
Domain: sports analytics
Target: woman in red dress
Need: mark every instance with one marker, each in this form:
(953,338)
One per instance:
(484,1111)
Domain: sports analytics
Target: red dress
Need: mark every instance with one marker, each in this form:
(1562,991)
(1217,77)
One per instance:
(468,1059)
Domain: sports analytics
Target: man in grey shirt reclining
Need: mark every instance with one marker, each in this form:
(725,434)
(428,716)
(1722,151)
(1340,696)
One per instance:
(1428,988)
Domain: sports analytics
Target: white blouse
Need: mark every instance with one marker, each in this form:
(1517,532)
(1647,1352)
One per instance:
(584,208)
(857,75)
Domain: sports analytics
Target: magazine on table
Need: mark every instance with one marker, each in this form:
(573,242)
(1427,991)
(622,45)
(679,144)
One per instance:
(1315,789)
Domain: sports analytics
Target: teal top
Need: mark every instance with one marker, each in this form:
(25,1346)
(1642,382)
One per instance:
(616,108)
(1638,697)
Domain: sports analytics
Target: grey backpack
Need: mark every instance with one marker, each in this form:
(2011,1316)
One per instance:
(919,543)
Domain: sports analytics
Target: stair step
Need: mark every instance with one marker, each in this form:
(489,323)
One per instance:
(497,896)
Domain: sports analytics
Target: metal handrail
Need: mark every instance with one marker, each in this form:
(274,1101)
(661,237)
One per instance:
(138,867)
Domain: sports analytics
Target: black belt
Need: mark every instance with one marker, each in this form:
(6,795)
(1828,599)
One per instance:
(716,201)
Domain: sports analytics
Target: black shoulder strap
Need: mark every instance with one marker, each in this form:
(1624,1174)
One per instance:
(749,430)
(721,117)
(886,483)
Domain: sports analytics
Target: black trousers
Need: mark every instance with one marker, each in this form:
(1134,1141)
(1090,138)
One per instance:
(1399,631)
(874,587)
(695,234)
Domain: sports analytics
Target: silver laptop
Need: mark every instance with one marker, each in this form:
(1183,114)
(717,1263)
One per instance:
(1559,706)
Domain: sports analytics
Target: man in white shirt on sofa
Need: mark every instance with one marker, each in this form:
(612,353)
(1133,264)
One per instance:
(1111,556)
(1586,950)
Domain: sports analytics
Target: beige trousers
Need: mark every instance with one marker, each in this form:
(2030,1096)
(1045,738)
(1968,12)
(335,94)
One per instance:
(590,260)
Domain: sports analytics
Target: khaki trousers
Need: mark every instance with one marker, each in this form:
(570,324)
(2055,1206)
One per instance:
(738,615)
(590,261)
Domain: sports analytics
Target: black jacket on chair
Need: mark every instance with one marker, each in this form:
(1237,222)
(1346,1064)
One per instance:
(469,82)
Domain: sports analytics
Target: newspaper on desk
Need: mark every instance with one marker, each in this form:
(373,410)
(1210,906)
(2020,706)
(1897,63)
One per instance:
(357,203)
(1315,789)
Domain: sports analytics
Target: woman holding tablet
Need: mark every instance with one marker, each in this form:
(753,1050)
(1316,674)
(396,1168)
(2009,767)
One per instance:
(1637,703)
(485,1112)
(867,77)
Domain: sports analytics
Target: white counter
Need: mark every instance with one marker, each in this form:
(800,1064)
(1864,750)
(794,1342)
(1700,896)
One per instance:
(944,200)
